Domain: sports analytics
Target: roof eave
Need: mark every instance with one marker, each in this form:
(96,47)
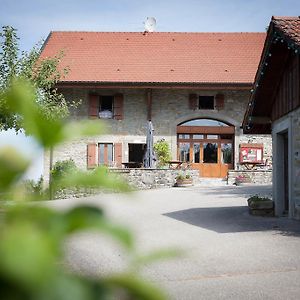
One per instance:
(122,84)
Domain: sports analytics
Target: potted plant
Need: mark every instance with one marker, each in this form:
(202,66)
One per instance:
(261,206)
(183,180)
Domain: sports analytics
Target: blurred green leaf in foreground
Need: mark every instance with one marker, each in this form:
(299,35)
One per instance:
(32,236)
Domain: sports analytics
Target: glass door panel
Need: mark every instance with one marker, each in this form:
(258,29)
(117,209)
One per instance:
(196,153)
(184,152)
(226,153)
(210,153)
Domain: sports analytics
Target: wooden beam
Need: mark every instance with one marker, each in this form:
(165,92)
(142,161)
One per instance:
(205,129)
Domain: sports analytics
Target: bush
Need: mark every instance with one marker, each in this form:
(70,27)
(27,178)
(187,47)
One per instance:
(63,168)
(163,152)
(34,187)
(183,176)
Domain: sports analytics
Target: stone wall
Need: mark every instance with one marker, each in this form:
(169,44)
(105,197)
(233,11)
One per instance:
(153,178)
(253,176)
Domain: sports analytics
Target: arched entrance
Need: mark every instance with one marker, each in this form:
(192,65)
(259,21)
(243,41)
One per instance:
(206,144)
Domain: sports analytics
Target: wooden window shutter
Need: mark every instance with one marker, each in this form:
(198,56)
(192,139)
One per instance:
(220,101)
(118,154)
(118,106)
(193,101)
(91,156)
(93,105)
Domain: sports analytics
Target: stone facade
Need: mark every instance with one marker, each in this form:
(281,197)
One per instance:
(170,107)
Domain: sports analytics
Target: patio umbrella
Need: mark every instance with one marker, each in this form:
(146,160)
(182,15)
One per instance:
(149,156)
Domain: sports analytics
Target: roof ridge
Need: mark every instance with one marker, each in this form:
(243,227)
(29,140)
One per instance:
(159,32)
(285,18)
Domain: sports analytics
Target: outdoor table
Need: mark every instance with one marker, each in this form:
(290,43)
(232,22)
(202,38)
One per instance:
(132,164)
(174,164)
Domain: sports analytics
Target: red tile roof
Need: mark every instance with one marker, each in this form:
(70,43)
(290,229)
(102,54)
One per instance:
(157,57)
(289,26)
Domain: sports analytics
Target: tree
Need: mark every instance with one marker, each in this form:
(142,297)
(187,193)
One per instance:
(42,75)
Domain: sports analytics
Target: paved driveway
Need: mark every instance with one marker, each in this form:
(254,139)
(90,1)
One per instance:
(229,254)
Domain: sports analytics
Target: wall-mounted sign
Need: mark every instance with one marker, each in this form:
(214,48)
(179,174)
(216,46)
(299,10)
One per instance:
(251,153)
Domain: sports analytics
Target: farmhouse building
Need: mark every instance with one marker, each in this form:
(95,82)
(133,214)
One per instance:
(194,87)
(274,107)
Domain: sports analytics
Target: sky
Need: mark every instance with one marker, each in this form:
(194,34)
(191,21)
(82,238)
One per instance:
(34,19)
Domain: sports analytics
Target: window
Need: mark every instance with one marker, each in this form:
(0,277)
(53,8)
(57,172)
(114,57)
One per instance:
(206,102)
(212,136)
(210,153)
(204,122)
(198,136)
(105,154)
(183,136)
(226,152)
(184,152)
(196,153)
(136,152)
(106,107)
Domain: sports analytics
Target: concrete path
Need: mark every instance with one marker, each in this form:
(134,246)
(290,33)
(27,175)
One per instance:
(229,254)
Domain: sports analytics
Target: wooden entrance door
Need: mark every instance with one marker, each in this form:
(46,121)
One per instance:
(211,154)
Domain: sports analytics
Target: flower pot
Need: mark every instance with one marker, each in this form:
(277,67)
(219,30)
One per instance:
(184,182)
(261,207)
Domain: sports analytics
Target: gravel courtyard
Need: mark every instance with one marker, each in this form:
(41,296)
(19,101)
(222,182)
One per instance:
(228,253)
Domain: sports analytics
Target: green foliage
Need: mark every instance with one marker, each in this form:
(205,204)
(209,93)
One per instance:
(182,176)
(63,168)
(12,168)
(257,198)
(163,152)
(33,236)
(42,75)
(35,188)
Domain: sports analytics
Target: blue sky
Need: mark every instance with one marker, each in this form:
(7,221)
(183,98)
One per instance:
(34,19)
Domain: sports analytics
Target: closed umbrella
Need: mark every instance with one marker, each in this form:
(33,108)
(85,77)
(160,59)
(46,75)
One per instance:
(149,157)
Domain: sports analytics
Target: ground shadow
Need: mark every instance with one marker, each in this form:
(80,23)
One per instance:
(231,190)
(234,219)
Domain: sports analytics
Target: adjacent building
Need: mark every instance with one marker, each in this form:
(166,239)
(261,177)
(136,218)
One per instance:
(274,107)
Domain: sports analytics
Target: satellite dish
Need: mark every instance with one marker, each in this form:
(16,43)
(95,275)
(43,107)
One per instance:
(150,24)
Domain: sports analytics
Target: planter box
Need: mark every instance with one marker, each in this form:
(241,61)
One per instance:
(261,208)
(184,182)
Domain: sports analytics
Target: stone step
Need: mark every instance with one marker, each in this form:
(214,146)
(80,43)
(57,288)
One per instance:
(204,181)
